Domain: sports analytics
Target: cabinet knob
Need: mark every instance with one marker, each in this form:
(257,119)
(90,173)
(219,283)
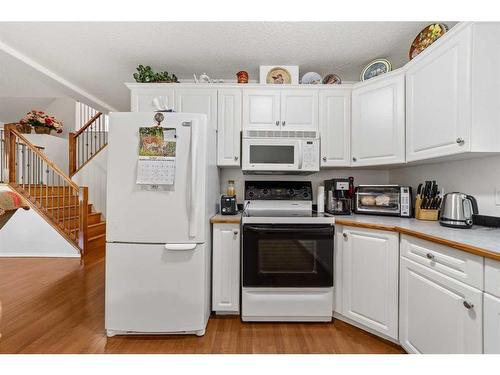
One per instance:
(283,123)
(324,158)
(430,256)
(354,159)
(236,158)
(468,305)
(277,123)
(460,140)
(344,235)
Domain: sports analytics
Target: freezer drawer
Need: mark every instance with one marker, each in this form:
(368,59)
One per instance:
(150,289)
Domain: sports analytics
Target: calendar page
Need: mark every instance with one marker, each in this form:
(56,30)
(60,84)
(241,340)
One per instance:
(156,164)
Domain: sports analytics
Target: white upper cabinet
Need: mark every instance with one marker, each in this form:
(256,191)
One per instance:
(452,94)
(335,127)
(151,99)
(228,127)
(378,121)
(261,110)
(370,279)
(299,110)
(265,109)
(438,315)
(194,100)
(437,100)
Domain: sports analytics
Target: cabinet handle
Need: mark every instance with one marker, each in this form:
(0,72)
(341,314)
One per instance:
(283,123)
(468,305)
(354,159)
(277,123)
(236,158)
(324,158)
(430,256)
(460,140)
(344,235)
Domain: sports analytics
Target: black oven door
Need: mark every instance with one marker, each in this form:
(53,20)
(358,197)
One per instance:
(285,255)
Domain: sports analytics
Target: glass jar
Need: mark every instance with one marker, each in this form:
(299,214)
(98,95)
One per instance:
(231,189)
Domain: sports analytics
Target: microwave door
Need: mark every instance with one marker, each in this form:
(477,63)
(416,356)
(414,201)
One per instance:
(271,155)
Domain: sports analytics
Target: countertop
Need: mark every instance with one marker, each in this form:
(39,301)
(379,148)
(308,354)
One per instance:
(482,241)
(226,219)
(478,240)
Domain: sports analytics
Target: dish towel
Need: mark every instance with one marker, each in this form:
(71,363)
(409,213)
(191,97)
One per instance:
(9,203)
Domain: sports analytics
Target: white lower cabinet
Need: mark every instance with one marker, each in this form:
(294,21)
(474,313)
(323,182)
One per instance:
(369,279)
(226,268)
(491,324)
(438,314)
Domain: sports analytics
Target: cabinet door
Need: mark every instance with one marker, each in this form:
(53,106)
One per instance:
(335,127)
(370,279)
(438,100)
(198,101)
(378,122)
(491,324)
(299,110)
(437,313)
(261,110)
(226,268)
(228,127)
(147,100)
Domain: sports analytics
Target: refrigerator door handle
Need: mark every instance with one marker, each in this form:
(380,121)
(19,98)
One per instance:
(193,222)
(180,246)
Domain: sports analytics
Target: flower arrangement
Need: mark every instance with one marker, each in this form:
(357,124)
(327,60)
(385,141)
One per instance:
(42,121)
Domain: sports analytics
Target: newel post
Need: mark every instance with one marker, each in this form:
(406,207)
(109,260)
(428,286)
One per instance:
(10,142)
(72,153)
(83,197)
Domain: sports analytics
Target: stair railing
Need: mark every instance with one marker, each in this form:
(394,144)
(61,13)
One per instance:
(54,195)
(87,142)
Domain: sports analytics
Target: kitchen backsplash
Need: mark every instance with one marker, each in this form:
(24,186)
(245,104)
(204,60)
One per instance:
(479,177)
(360,177)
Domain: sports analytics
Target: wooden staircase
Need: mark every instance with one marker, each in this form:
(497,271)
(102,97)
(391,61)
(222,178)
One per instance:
(51,192)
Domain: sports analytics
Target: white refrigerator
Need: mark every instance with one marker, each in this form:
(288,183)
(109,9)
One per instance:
(158,242)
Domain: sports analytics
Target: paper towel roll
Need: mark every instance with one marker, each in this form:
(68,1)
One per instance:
(321,199)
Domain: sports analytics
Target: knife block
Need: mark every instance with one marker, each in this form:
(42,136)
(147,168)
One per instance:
(425,214)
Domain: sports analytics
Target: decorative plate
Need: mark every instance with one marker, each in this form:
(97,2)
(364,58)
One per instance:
(331,79)
(376,68)
(311,78)
(426,37)
(278,76)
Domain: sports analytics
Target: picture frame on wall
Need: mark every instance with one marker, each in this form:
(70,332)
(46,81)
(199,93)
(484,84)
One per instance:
(279,74)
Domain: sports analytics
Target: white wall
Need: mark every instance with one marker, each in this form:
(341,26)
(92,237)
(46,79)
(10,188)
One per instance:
(478,177)
(94,176)
(360,177)
(56,148)
(63,109)
(27,234)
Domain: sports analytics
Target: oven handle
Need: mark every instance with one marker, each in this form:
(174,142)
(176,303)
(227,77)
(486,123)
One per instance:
(321,230)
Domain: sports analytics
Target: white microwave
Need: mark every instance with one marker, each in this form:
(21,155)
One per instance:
(280,152)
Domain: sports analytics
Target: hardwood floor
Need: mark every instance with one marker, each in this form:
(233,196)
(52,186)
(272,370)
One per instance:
(56,305)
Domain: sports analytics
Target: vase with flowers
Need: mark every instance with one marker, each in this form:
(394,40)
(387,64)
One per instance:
(41,122)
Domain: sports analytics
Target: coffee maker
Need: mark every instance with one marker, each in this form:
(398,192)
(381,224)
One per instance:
(338,193)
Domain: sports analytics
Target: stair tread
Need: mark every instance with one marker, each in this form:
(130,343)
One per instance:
(97,224)
(97,237)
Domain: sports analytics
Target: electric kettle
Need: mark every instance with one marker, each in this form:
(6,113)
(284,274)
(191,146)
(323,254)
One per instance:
(457,210)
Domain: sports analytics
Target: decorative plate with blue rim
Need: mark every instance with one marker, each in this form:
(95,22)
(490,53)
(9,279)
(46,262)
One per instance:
(376,68)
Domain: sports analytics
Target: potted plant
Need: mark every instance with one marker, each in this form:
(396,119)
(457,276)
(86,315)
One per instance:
(41,122)
(147,75)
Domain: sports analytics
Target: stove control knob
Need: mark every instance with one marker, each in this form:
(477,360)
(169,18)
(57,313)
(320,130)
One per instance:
(290,191)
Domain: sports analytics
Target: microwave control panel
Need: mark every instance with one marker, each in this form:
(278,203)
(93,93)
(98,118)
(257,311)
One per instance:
(310,154)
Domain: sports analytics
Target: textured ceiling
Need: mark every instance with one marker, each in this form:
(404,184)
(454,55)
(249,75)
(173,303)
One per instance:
(99,57)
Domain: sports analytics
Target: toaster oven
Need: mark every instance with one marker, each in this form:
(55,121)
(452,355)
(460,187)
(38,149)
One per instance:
(393,200)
